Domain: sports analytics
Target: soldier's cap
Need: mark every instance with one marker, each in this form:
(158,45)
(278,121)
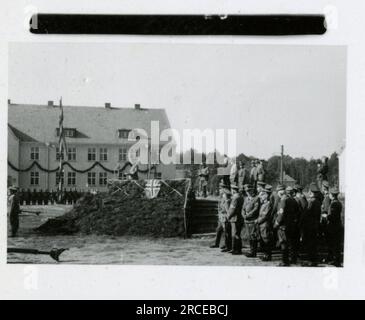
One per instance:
(298,187)
(325,184)
(314,187)
(226,191)
(261,183)
(280,187)
(334,190)
(12,188)
(250,188)
(289,189)
(268,188)
(245,186)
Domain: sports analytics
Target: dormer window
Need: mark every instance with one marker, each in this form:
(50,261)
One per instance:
(123,133)
(69,132)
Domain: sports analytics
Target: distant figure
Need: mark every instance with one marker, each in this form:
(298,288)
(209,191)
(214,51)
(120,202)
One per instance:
(233,174)
(226,179)
(133,171)
(27,197)
(253,174)
(260,172)
(334,232)
(203,179)
(34,197)
(322,172)
(241,175)
(14,211)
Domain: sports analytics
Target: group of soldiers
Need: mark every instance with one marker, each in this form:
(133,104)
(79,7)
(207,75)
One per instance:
(27,197)
(40,197)
(284,217)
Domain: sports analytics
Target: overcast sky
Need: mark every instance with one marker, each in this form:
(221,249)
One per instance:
(272,95)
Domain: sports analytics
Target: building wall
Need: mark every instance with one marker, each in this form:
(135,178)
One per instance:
(47,159)
(13,156)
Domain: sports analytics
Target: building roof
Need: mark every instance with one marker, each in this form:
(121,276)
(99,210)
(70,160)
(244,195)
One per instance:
(92,124)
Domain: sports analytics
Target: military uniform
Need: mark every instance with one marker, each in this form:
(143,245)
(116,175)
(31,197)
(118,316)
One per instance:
(223,227)
(334,232)
(250,213)
(203,177)
(287,228)
(236,221)
(260,172)
(27,197)
(310,227)
(14,213)
(241,178)
(264,228)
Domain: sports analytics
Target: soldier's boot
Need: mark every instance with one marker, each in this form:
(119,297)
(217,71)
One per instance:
(253,249)
(267,252)
(284,258)
(237,249)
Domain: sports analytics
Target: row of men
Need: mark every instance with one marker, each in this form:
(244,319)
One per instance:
(286,217)
(28,197)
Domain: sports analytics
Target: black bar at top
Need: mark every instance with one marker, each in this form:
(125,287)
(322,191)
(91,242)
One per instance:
(200,25)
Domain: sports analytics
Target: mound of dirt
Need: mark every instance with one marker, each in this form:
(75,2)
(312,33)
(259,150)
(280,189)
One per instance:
(125,210)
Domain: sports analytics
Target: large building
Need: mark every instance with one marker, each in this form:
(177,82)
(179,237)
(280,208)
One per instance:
(97,144)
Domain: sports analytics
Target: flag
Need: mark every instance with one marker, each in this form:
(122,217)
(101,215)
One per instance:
(152,188)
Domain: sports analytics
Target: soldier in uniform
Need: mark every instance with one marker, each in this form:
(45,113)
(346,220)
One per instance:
(286,225)
(46,197)
(233,173)
(27,197)
(203,179)
(310,225)
(260,187)
(241,175)
(253,174)
(235,218)
(260,171)
(34,197)
(334,229)
(21,195)
(322,172)
(264,222)
(326,202)
(40,197)
(250,212)
(223,225)
(14,211)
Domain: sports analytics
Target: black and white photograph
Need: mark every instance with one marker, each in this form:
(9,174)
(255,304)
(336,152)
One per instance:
(176,154)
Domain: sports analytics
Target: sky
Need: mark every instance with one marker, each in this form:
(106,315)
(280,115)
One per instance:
(272,95)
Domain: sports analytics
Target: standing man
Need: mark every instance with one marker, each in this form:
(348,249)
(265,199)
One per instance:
(310,225)
(14,211)
(334,229)
(326,202)
(225,165)
(203,179)
(241,175)
(223,225)
(286,225)
(235,218)
(250,213)
(233,173)
(322,172)
(264,222)
(260,187)
(253,174)
(260,171)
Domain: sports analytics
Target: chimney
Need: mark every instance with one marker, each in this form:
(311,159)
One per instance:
(108,105)
(50,103)
(137,106)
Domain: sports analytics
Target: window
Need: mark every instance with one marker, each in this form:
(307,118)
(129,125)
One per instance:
(91,154)
(103,154)
(58,178)
(68,132)
(34,178)
(34,153)
(123,154)
(58,154)
(71,152)
(71,178)
(91,178)
(123,133)
(102,178)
